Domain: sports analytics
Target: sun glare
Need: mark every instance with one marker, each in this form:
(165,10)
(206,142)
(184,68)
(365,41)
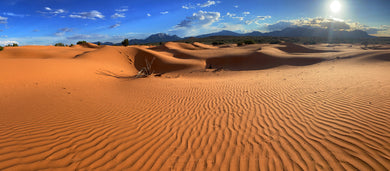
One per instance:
(335,6)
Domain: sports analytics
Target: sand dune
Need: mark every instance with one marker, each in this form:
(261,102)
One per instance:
(204,46)
(294,48)
(267,108)
(41,52)
(383,57)
(186,46)
(258,60)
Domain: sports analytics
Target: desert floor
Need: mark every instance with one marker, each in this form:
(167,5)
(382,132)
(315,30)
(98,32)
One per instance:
(255,107)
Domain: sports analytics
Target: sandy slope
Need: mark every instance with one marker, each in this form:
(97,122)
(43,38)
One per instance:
(258,107)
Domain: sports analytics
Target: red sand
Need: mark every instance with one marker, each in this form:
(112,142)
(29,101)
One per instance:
(258,107)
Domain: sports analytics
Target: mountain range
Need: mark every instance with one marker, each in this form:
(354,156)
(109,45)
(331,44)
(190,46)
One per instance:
(287,32)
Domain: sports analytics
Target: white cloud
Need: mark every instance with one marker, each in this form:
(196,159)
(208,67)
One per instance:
(13,14)
(246,13)
(3,20)
(234,16)
(239,18)
(44,40)
(257,19)
(122,9)
(164,12)
(199,22)
(118,15)
(263,17)
(201,18)
(235,6)
(7,42)
(188,6)
(231,27)
(383,30)
(68,39)
(92,15)
(52,12)
(59,11)
(120,12)
(115,25)
(309,22)
(208,3)
(60,34)
(148,14)
(201,5)
(230,14)
(63,31)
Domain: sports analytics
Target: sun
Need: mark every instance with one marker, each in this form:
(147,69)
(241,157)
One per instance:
(335,6)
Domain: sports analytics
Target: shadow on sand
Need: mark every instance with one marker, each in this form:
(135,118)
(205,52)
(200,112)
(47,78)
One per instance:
(258,61)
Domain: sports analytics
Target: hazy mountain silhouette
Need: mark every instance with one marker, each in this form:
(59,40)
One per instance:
(317,32)
(287,32)
(221,33)
(296,32)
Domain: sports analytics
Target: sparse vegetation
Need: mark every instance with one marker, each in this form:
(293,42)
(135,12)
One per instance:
(147,70)
(216,43)
(12,45)
(248,42)
(1,48)
(240,43)
(99,43)
(59,44)
(310,42)
(125,42)
(365,44)
(82,42)
(275,41)
(71,45)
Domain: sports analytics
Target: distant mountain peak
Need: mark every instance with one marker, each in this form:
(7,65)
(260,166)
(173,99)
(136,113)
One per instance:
(287,32)
(318,32)
(220,33)
(159,35)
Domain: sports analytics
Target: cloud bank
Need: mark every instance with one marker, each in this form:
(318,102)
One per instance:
(7,42)
(326,23)
(201,18)
(198,22)
(201,5)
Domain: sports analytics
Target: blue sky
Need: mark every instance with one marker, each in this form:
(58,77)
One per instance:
(44,22)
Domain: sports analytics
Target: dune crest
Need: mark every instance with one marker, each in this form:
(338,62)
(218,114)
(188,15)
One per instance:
(294,48)
(204,46)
